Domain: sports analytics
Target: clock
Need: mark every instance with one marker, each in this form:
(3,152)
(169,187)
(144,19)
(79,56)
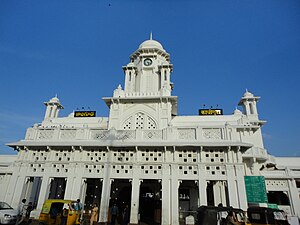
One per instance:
(147,62)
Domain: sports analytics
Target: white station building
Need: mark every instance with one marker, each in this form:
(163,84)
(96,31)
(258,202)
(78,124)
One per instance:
(144,155)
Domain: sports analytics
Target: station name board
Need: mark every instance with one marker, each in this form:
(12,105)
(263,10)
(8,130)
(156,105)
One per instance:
(210,112)
(84,113)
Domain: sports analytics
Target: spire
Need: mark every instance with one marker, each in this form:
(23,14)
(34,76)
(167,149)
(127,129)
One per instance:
(53,107)
(151,35)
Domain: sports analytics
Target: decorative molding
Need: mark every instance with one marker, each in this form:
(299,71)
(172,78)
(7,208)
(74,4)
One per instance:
(187,133)
(67,134)
(152,135)
(212,133)
(45,134)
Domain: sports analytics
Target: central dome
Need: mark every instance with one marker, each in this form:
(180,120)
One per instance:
(151,44)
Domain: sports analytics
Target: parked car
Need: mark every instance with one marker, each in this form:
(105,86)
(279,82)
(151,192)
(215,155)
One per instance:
(7,214)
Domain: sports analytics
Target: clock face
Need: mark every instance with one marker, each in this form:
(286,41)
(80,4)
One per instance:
(147,62)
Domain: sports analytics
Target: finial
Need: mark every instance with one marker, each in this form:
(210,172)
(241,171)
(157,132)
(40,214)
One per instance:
(246,89)
(151,35)
(55,95)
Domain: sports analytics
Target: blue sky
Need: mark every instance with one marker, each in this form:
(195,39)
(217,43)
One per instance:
(76,49)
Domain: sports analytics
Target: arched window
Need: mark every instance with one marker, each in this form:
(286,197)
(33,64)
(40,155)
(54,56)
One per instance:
(140,121)
(129,76)
(165,75)
(278,197)
(251,108)
(50,111)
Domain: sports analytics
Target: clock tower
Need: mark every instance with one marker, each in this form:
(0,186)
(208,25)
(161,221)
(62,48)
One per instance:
(146,101)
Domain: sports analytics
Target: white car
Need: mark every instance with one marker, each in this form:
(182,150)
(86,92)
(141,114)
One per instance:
(7,214)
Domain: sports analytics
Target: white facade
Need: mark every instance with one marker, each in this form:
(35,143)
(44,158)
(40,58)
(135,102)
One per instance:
(161,164)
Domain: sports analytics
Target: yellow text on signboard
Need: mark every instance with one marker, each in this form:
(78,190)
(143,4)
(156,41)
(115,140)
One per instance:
(210,112)
(84,113)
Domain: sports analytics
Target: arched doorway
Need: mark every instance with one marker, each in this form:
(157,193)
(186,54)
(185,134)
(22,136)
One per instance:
(121,196)
(188,196)
(150,202)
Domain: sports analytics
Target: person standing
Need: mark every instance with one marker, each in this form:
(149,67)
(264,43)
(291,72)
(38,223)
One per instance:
(78,208)
(78,205)
(94,216)
(230,219)
(126,215)
(28,210)
(114,213)
(64,216)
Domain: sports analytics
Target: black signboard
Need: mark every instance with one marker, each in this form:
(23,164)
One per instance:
(210,112)
(84,113)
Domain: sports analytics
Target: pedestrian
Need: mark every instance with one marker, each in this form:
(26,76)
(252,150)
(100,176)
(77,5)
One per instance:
(21,212)
(94,216)
(78,208)
(126,215)
(29,208)
(64,216)
(114,213)
(78,205)
(230,219)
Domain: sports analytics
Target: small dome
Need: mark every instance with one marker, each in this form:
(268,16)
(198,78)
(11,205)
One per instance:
(237,112)
(130,64)
(248,94)
(151,44)
(54,99)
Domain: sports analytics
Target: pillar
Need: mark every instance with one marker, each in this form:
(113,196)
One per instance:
(44,191)
(105,196)
(241,188)
(202,186)
(232,187)
(17,190)
(174,198)
(69,187)
(166,198)
(135,197)
(294,197)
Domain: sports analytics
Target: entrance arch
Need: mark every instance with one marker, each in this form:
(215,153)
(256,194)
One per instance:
(188,199)
(150,202)
(121,196)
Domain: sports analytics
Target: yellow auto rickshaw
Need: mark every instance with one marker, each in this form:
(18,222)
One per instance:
(54,211)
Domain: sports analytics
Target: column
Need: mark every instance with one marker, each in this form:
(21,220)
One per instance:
(241,189)
(69,187)
(83,190)
(44,191)
(223,192)
(17,190)
(174,197)
(294,197)
(105,196)
(74,183)
(135,197)
(166,201)
(4,186)
(202,185)
(11,189)
(217,193)
(232,188)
